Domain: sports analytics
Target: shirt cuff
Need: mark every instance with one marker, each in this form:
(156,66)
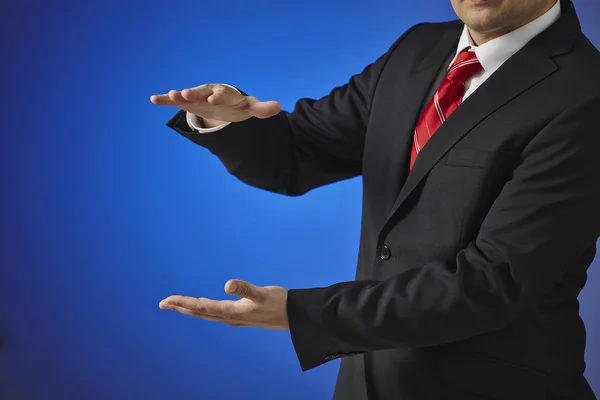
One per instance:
(195,123)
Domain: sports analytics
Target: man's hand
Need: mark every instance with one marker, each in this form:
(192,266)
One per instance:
(217,104)
(259,307)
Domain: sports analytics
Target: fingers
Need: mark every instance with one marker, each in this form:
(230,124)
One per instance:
(246,290)
(191,313)
(162,100)
(198,94)
(218,95)
(176,98)
(200,306)
(211,310)
(217,99)
(173,98)
(264,109)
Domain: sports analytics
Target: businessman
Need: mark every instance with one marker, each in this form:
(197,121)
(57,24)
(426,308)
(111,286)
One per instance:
(478,142)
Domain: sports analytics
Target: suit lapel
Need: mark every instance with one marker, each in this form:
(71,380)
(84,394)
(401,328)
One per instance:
(409,103)
(522,71)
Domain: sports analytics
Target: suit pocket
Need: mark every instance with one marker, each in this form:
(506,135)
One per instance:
(476,158)
(493,378)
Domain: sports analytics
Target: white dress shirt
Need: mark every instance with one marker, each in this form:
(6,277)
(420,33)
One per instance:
(496,52)
(491,55)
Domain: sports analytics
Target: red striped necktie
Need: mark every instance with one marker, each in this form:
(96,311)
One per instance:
(447,99)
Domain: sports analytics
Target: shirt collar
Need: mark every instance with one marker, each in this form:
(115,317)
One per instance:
(496,52)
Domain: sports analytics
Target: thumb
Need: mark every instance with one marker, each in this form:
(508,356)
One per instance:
(263,109)
(245,289)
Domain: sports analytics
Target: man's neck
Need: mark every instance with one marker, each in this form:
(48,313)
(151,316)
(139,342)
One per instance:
(479,38)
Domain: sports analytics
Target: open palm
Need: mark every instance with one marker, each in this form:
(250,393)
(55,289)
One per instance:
(218,103)
(261,307)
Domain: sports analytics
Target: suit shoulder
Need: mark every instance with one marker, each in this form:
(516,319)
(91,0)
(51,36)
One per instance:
(431,30)
(425,35)
(579,70)
(589,56)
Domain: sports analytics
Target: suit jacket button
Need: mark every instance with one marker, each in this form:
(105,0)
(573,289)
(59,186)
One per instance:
(385,253)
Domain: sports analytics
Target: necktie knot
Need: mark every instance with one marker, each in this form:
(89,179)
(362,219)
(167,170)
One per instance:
(465,66)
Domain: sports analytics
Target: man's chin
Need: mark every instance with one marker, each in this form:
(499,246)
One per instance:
(485,24)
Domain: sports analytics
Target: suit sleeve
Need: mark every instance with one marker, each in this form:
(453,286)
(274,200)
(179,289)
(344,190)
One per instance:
(545,219)
(319,143)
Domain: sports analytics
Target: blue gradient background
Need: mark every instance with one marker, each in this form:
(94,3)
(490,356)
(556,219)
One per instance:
(105,211)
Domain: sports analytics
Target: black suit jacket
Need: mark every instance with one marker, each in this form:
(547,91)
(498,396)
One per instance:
(470,266)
